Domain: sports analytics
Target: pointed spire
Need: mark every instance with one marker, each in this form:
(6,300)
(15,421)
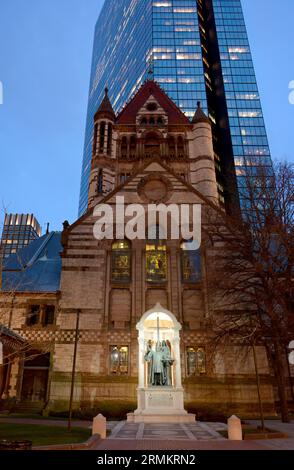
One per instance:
(200,115)
(106,107)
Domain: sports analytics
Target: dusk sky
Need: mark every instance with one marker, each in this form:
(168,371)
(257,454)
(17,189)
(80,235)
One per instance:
(45,58)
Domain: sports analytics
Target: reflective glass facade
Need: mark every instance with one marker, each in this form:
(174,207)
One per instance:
(18,231)
(246,124)
(195,50)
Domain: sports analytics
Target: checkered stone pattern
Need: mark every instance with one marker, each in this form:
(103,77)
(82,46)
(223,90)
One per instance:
(168,431)
(117,337)
(38,336)
(66,336)
(194,338)
(90,336)
(205,432)
(160,431)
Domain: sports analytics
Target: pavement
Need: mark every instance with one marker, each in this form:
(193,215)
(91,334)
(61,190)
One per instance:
(192,436)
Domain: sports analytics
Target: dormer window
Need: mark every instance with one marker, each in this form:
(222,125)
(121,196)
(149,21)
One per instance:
(143,121)
(152,121)
(160,121)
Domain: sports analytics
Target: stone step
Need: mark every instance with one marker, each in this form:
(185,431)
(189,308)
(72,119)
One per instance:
(29,407)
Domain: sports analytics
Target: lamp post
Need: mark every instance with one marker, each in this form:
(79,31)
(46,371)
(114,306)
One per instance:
(73,371)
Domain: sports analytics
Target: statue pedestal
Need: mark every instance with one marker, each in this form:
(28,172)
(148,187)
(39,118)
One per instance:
(161,405)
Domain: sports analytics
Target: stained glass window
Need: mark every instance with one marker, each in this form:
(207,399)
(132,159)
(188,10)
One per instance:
(119,360)
(191,263)
(121,261)
(196,361)
(156,258)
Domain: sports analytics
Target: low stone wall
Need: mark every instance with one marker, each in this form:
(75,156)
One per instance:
(229,395)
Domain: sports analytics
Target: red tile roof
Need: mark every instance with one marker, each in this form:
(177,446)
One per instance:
(129,112)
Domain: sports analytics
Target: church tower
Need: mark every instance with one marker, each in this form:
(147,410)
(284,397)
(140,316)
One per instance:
(102,175)
(202,166)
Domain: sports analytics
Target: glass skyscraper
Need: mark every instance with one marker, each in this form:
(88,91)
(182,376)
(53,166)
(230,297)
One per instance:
(197,50)
(19,230)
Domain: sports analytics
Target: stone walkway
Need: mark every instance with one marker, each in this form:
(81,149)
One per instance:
(192,436)
(175,432)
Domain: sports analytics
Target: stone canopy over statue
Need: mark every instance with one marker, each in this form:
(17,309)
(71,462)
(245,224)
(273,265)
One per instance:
(160,393)
(160,362)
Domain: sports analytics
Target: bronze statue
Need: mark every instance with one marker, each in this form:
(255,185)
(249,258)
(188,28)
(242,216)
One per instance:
(160,364)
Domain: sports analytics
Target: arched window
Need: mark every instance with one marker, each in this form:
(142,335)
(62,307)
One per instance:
(181,148)
(119,360)
(172,146)
(100,182)
(156,257)
(124,147)
(191,263)
(160,121)
(109,139)
(102,136)
(133,145)
(121,261)
(196,361)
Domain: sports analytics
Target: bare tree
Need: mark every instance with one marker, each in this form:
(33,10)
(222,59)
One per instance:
(250,267)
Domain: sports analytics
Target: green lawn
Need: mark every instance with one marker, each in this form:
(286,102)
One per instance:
(43,435)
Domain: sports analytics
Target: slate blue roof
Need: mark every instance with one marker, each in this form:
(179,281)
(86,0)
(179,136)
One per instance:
(36,268)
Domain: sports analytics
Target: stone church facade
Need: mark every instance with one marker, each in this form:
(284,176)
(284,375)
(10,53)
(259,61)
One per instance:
(150,153)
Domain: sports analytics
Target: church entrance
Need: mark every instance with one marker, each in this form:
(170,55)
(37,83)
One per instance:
(160,393)
(35,377)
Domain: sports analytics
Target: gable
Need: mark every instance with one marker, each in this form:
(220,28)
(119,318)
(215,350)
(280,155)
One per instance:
(148,89)
(182,192)
(177,191)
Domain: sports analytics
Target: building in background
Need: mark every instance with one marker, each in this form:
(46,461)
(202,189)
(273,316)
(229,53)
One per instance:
(18,231)
(196,51)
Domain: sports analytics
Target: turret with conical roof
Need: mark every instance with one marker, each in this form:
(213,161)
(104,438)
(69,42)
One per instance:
(202,167)
(200,115)
(105,109)
(102,173)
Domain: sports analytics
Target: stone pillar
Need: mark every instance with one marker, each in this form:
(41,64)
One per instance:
(234,429)
(105,137)
(99,426)
(141,368)
(178,376)
(98,138)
